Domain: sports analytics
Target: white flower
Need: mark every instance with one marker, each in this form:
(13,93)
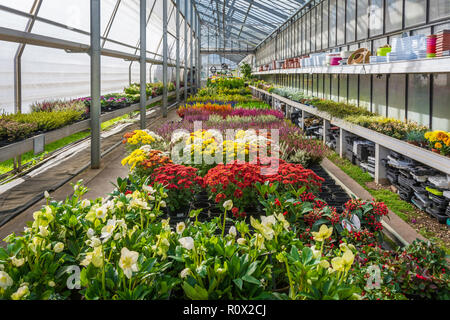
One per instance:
(148,189)
(162,204)
(185,272)
(316,253)
(94,242)
(180,227)
(100,213)
(17,262)
(46,195)
(228,205)
(128,262)
(268,220)
(5,280)
(241,241)
(85,203)
(43,231)
(108,230)
(187,243)
(146,148)
(51,284)
(58,247)
(232,231)
(21,292)
(90,233)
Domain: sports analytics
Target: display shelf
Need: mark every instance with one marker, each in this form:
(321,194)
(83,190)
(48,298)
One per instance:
(18,148)
(435,65)
(431,159)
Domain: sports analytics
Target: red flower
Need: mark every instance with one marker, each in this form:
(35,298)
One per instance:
(235,211)
(128,192)
(277,202)
(220,197)
(238,193)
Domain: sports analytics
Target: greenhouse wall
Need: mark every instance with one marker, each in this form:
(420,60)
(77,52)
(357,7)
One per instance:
(333,26)
(55,74)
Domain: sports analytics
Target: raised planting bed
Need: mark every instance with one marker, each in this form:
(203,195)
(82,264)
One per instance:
(38,142)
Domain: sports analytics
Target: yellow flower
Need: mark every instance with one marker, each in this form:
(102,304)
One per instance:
(337,264)
(347,259)
(324,233)
(438,145)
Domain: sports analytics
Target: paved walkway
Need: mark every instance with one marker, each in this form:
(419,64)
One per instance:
(98,181)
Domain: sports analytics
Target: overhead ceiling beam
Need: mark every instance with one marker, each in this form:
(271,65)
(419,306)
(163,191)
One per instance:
(270,10)
(234,20)
(251,36)
(249,15)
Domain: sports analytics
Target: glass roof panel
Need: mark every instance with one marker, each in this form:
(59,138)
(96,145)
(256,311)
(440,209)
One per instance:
(240,25)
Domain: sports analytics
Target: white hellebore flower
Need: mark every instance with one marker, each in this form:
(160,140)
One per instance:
(187,243)
(108,230)
(162,204)
(180,227)
(59,247)
(46,195)
(85,203)
(148,189)
(43,231)
(185,272)
(21,292)
(100,213)
(5,280)
(90,233)
(17,262)
(228,205)
(128,262)
(232,231)
(241,241)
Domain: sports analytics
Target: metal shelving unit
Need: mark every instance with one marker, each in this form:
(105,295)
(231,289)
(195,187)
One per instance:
(383,143)
(435,65)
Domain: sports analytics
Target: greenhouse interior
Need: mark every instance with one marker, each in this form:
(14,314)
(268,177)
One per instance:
(224,150)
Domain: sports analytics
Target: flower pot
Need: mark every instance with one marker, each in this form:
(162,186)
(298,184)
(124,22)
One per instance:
(201,205)
(215,211)
(178,213)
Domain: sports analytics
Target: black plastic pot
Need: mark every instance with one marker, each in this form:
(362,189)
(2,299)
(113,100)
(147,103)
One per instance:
(215,211)
(201,205)
(182,213)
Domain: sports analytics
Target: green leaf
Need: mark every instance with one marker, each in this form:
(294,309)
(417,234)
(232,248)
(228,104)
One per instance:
(196,293)
(307,255)
(3,254)
(238,282)
(294,253)
(251,279)
(251,269)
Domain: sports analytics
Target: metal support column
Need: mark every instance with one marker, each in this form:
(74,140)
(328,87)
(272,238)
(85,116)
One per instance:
(199,59)
(95,83)
(143,71)
(177,21)
(18,71)
(186,70)
(191,23)
(165,57)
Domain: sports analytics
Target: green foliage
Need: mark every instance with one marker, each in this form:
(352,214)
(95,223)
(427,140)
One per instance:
(246,71)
